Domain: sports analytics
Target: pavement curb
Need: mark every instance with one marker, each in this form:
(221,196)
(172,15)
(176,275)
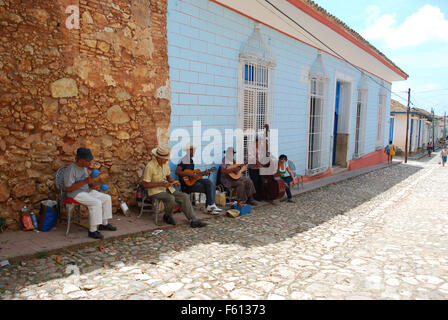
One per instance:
(342,177)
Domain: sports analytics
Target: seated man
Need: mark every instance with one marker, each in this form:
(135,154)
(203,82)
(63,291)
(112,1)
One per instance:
(78,184)
(158,182)
(244,186)
(202,186)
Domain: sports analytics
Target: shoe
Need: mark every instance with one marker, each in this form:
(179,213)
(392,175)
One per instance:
(252,202)
(95,235)
(213,207)
(197,224)
(169,220)
(107,227)
(214,212)
(291,201)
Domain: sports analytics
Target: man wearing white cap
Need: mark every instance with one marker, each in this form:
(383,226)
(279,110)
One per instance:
(205,186)
(158,182)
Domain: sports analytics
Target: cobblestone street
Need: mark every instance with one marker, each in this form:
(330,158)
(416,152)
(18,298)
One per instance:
(383,235)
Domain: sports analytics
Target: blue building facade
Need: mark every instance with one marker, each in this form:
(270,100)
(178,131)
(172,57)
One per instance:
(206,42)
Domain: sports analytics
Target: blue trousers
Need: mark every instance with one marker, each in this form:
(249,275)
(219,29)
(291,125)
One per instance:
(288,181)
(204,186)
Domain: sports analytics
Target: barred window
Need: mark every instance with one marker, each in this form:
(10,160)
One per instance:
(316,126)
(381,120)
(361,104)
(255,101)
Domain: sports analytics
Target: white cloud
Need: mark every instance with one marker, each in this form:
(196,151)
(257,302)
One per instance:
(426,25)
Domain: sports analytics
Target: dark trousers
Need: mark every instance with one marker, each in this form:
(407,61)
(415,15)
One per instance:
(288,181)
(260,184)
(204,186)
(244,188)
(254,175)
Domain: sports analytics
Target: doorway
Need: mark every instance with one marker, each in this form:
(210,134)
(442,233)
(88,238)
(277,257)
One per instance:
(342,107)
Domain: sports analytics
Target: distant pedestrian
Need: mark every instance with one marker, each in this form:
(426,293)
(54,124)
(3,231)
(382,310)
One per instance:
(390,150)
(429,148)
(444,155)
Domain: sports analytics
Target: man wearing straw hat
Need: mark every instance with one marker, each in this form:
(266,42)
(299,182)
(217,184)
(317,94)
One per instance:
(158,182)
(203,185)
(245,188)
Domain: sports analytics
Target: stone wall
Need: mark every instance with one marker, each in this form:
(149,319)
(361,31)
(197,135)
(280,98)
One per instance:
(104,86)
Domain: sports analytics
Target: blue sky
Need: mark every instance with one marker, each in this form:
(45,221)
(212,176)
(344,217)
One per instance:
(413,34)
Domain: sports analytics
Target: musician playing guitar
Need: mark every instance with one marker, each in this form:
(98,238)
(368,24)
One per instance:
(159,185)
(185,171)
(244,186)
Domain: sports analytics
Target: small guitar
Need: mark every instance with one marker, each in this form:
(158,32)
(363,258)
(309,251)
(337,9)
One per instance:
(190,181)
(171,188)
(239,174)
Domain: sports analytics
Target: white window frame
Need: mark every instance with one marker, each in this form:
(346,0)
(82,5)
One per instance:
(360,123)
(381,121)
(251,120)
(316,149)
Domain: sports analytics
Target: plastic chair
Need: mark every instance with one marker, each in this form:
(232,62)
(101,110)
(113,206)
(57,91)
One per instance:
(292,166)
(69,202)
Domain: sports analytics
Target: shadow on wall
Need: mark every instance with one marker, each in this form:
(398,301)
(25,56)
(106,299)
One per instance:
(265,226)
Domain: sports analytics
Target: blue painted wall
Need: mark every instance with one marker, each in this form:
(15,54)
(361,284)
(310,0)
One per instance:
(204,40)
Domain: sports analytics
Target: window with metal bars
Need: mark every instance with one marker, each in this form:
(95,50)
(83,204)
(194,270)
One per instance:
(360,123)
(255,102)
(381,120)
(315,126)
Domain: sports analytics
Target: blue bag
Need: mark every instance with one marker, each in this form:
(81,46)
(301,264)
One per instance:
(48,215)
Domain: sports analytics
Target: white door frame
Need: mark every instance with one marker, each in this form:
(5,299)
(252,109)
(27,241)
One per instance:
(342,77)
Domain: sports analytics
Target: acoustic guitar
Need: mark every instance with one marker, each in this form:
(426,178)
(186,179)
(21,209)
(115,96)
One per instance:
(190,181)
(239,174)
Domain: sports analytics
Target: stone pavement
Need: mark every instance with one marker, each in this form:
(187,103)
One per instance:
(382,235)
(21,244)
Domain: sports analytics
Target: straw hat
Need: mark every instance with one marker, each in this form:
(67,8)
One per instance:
(233,213)
(162,152)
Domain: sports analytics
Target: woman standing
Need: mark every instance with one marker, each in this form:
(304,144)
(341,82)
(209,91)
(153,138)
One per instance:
(429,148)
(390,150)
(444,155)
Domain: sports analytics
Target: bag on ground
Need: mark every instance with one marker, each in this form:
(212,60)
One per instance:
(220,199)
(48,215)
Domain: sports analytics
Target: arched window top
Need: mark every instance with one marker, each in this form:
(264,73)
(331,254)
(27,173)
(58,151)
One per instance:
(317,69)
(256,50)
